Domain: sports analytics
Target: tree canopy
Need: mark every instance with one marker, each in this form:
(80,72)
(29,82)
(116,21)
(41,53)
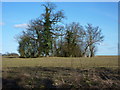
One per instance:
(47,36)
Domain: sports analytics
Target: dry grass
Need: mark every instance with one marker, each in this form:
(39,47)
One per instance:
(42,78)
(60,72)
(61,62)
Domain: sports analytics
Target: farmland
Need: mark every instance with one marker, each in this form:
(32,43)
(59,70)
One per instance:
(60,72)
(61,62)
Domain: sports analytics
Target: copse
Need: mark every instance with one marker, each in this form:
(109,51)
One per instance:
(73,39)
(47,36)
(38,39)
(80,41)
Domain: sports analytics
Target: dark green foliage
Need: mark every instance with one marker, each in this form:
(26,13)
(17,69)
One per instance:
(71,44)
(50,19)
(38,39)
(27,47)
(45,36)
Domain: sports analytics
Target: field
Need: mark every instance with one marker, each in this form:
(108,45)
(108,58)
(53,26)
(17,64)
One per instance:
(61,62)
(60,72)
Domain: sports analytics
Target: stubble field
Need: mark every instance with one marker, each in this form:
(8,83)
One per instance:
(60,72)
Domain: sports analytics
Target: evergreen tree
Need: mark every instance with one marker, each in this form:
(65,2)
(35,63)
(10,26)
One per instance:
(41,32)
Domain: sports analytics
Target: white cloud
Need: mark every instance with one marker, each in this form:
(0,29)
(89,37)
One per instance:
(21,25)
(104,44)
(1,23)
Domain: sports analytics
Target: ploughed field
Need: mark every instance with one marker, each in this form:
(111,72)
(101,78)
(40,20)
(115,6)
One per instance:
(60,72)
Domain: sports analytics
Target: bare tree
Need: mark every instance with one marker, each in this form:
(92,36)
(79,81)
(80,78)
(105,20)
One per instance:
(93,37)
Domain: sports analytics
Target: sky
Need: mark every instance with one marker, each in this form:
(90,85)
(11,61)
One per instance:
(60,0)
(16,16)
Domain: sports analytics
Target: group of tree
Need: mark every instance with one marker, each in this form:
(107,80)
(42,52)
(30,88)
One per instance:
(10,54)
(47,36)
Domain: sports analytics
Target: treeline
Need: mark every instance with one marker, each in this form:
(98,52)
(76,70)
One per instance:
(10,54)
(47,36)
